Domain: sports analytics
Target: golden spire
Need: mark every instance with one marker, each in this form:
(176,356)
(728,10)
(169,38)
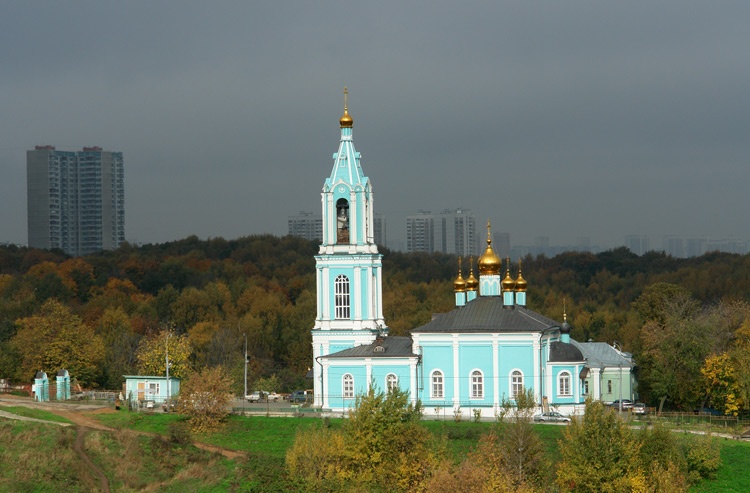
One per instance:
(472,283)
(520,281)
(459,285)
(346,121)
(489,263)
(508,283)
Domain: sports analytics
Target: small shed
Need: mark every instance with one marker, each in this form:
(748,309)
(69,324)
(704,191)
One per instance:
(148,391)
(41,387)
(63,385)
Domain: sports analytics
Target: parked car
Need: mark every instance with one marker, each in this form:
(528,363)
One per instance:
(273,396)
(257,396)
(626,404)
(639,408)
(298,396)
(551,417)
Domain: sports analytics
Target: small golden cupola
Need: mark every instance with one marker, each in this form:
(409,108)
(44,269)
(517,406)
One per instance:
(508,283)
(489,263)
(459,285)
(346,121)
(521,285)
(472,283)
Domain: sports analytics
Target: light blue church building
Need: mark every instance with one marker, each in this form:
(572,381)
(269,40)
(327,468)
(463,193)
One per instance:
(466,361)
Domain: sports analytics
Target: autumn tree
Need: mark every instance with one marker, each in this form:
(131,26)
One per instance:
(205,396)
(674,344)
(509,458)
(740,358)
(54,339)
(600,454)
(720,382)
(381,447)
(120,343)
(152,354)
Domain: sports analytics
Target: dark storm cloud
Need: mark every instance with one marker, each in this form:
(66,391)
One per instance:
(552,118)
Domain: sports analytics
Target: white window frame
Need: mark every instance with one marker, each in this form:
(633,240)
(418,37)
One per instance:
(585,387)
(476,384)
(391,382)
(437,384)
(564,384)
(347,386)
(342,298)
(516,383)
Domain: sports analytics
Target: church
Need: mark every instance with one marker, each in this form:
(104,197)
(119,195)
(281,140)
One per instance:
(465,362)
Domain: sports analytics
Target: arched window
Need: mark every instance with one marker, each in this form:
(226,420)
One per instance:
(341,288)
(437,385)
(516,383)
(477,385)
(342,221)
(348,386)
(391,382)
(564,383)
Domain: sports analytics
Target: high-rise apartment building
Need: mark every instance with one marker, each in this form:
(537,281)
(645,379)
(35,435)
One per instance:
(501,244)
(306,225)
(637,244)
(75,200)
(379,229)
(458,232)
(420,232)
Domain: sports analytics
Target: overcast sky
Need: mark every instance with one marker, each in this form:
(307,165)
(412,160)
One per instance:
(560,118)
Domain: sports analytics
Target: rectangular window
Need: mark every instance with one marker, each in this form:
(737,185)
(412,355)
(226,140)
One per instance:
(348,386)
(477,385)
(516,384)
(609,386)
(437,385)
(565,384)
(341,297)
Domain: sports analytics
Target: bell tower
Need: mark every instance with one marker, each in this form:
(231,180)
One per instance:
(348,265)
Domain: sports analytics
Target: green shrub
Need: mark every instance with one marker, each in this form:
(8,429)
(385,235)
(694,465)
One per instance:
(703,457)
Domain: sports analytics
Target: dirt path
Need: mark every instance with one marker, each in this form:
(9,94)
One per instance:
(93,468)
(80,415)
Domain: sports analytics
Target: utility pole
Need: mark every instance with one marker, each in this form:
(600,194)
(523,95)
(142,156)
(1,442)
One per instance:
(169,387)
(245,396)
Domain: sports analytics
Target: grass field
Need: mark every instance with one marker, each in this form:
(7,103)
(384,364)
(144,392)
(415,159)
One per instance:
(34,413)
(41,457)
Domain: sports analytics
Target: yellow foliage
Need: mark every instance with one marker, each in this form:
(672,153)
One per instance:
(205,397)
(55,338)
(152,353)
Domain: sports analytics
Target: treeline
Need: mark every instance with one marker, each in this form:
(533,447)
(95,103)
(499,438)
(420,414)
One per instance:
(217,293)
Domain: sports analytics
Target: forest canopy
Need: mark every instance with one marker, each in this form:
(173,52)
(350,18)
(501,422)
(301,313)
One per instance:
(216,294)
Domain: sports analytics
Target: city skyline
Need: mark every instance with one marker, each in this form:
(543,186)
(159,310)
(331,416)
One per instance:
(562,120)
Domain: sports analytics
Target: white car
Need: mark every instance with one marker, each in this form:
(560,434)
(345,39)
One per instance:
(257,396)
(273,396)
(551,417)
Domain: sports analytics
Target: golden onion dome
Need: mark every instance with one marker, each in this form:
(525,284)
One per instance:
(459,285)
(489,263)
(472,283)
(521,283)
(508,283)
(346,121)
